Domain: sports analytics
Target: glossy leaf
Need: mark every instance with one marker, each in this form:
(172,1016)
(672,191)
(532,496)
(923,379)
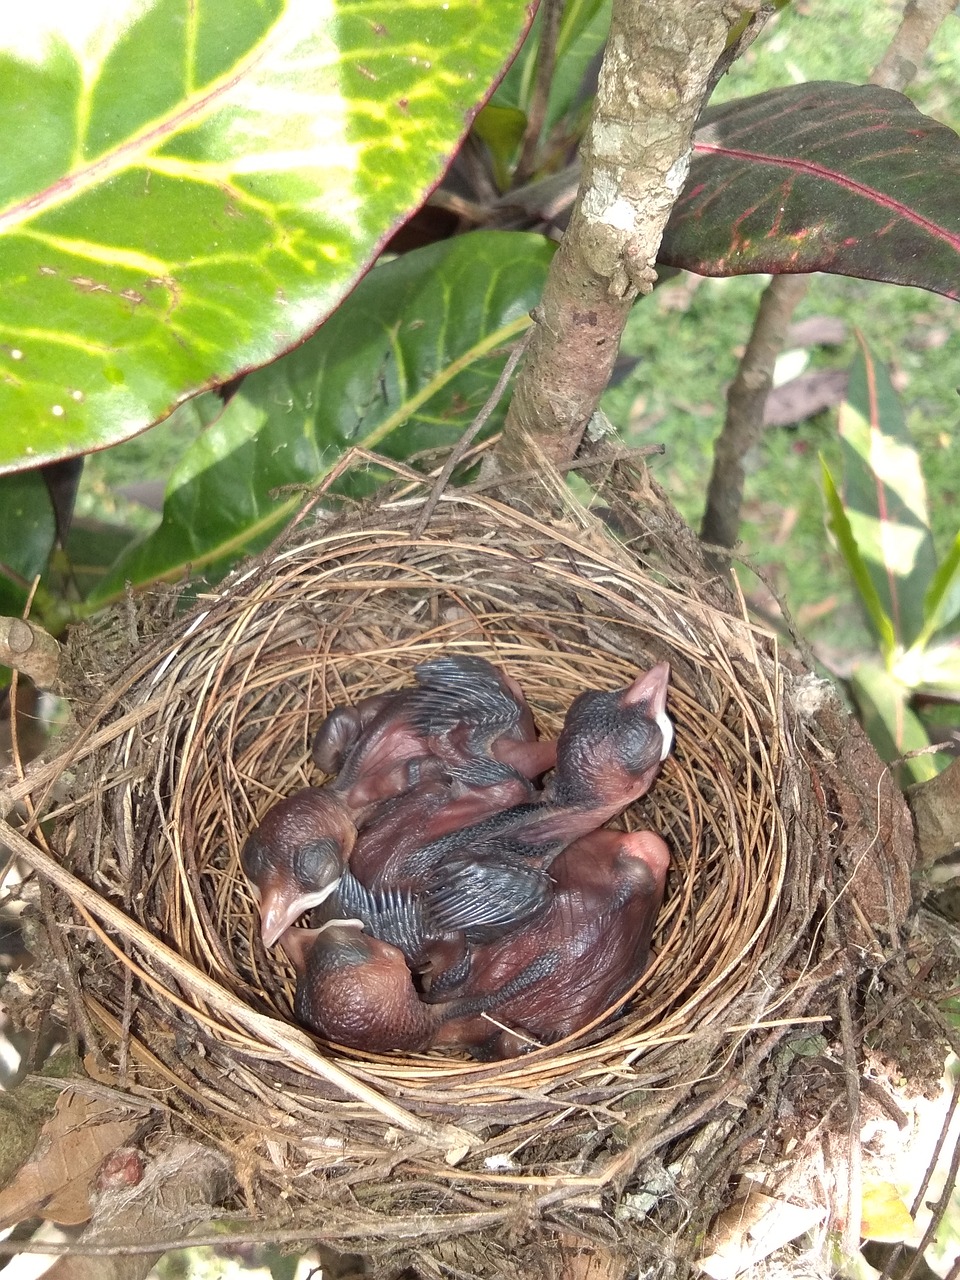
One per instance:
(402,366)
(890,724)
(885,497)
(942,602)
(583,30)
(848,179)
(188,188)
(27,533)
(839,526)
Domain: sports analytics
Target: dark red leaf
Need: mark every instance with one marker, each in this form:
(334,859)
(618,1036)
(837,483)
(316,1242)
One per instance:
(848,179)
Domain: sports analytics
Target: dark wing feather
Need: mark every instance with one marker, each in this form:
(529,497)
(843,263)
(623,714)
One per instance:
(392,915)
(485,898)
(462,689)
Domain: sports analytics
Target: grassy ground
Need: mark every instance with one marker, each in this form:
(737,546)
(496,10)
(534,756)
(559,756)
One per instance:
(688,340)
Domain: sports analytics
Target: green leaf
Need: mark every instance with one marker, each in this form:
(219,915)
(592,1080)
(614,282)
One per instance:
(890,724)
(942,601)
(583,29)
(885,497)
(189,188)
(402,366)
(501,128)
(27,534)
(839,526)
(936,669)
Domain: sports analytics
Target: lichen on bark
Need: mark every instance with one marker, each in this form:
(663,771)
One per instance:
(654,81)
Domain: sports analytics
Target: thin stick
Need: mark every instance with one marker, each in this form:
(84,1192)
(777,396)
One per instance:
(422,1227)
(537,113)
(457,1142)
(471,433)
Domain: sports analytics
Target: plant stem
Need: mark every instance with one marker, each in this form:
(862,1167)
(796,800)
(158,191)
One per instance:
(746,397)
(552,12)
(636,153)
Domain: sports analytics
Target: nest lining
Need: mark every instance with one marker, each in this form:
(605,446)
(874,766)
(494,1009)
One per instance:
(213,725)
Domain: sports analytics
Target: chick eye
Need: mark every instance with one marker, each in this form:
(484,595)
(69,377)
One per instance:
(314,859)
(253,858)
(639,743)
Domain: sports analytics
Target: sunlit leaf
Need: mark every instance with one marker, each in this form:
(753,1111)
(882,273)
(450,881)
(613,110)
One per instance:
(942,602)
(883,1214)
(849,179)
(892,727)
(404,365)
(936,669)
(839,526)
(884,496)
(188,189)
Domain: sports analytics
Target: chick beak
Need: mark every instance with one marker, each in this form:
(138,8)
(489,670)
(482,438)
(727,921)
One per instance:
(651,688)
(281,905)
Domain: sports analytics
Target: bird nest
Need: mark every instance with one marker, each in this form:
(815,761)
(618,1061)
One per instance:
(789,849)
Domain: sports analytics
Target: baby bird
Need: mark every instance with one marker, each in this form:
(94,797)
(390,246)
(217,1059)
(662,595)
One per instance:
(448,752)
(295,857)
(572,961)
(490,874)
(477,725)
(478,722)
(297,854)
(356,990)
(464,712)
(570,964)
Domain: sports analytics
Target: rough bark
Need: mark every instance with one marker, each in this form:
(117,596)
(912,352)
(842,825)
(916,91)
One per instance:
(636,154)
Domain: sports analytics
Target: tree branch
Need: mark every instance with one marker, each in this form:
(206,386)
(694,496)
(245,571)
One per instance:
(28,648)
(636,155)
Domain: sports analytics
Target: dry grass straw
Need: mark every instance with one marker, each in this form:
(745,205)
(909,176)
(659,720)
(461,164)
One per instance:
(211,724)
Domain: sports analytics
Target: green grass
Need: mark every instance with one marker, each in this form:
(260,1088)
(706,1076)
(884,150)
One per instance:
(689,346)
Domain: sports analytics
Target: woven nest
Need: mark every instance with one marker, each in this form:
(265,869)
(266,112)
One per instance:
(187,748)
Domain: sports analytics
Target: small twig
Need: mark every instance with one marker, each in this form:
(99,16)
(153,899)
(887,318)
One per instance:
(433,1227)
(942,1204)
(463,444)
(746,397)
(68,977)
(851,1226)
(552,11)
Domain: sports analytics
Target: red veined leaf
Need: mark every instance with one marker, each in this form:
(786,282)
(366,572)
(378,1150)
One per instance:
(848,179)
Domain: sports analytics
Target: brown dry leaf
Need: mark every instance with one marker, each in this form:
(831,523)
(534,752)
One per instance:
(802,397)
(753,1228)
(817,331)
(55,1183)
